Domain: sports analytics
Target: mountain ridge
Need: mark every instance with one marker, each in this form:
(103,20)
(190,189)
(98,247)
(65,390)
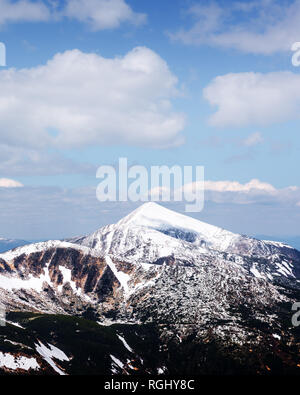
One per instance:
(189,279)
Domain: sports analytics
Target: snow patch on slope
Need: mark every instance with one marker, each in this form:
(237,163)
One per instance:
(123,278)
(49,353)
(117,361)
(40,247)
(32,283)
(9,361)
(67,278)
(126,345)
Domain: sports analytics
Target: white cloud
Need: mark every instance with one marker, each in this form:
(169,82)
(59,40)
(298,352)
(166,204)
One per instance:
(23,11)
(254,191)
(244,99)
(253,186)
(98,14)
(234,186)
(260,27)
(102,14)
(87,99)
(252,140)
(8,183)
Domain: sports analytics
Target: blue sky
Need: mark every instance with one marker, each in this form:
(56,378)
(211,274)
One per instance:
(175,82)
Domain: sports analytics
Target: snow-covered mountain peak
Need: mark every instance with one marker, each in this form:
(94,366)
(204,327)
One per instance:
(154,216)
(153,232)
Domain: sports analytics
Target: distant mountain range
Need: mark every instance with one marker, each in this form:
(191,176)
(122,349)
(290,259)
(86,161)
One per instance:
(157,292)
(9,244)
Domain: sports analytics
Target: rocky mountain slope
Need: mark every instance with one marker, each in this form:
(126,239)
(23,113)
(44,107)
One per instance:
(196,284)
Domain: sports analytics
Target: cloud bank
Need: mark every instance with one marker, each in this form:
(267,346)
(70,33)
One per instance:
(258,27)
(97,14)
(8,183)
(252,192)
(246,99)
(44,212)
(102,14)
(79,99)
(23,11)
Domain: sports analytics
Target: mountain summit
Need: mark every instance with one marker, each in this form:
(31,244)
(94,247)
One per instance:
(167,230)
(153,216)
